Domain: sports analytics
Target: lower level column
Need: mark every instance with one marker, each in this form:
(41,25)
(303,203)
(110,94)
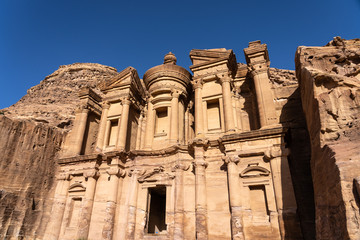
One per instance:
(237,231)
(87,204)
(54,226)
(200,194)
(115,175)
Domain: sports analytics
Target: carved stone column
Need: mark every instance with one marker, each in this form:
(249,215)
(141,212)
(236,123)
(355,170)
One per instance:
(87,204)
(132,205)
(238,110)
(283,188)
(174,124)
(80,129)
(179,200)
(149,134)
(199,119)
(200,166)
(123,126)
(237,230)
(139,131)
(115,173)
(107,134)
(228,109)
(102,127)
(57,212)
(258,64)
(181,122)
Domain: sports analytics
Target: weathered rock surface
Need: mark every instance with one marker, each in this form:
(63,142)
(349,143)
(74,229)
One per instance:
(54,100)
(329,82)
(27,172)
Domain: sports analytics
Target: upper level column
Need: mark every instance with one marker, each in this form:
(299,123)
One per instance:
(199,121)
(81,114)
(149,134)
(174,124)
(228,109)
(258,63)
(102,127)
(121,142)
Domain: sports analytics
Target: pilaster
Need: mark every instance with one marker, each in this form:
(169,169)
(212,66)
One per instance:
(150,124)
(82,112)
(123,126)
(87,203)
(199,121)
(102,127)
(226,92)
(115,174)
(174,124)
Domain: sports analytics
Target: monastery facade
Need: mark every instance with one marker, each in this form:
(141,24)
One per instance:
(177,155)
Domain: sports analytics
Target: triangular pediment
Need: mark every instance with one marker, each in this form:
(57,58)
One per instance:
(124,77)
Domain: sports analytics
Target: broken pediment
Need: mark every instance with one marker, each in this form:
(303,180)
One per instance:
(254,171)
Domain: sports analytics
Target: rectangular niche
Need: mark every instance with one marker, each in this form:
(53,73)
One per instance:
(156,222)
(213,115)
(258,201)
(75,207)
(161,121)
(113,132)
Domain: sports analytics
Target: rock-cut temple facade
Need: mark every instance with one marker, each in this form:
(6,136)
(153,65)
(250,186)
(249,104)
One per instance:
(178,155)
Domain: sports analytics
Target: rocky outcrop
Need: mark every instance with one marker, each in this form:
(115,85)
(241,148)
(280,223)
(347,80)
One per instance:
(27,173)
(330,92)
(54,100)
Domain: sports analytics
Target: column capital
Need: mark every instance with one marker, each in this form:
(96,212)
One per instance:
(83,108)
(197,83)
(274,152)
(137,172)
(200,163)
(175,93)
(116,171)
(64,176)
(91,174)
(125,101)
(258,67)
(180,166)
(105,105)
(231,159)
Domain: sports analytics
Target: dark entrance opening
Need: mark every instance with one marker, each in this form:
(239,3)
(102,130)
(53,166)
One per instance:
(156,210)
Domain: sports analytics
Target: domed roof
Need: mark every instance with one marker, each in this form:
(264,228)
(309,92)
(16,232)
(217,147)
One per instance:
(168,70)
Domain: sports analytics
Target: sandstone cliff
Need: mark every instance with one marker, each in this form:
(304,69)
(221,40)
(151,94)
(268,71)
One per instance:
(54,100)
(27,173)
(31,135)
(329,82)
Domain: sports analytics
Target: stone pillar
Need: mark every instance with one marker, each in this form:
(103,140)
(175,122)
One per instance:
(200,191)
(181,122)
(115,174)
(228,109)
(283,188)
(187,125)
(132,204)
(179,200)
(143,131)
(139,131)
(87,204)
(57,212)
(238,110)
(150,124)
(174,124)
(199,121)
(258,64)
(107,133)
(237,231)
(80,129)
(123,126)
(102,128)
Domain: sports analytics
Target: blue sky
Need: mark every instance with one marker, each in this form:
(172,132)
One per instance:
(36,37)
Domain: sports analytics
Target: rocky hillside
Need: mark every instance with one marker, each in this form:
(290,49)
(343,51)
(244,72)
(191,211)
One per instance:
(54,100)
(329,79)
